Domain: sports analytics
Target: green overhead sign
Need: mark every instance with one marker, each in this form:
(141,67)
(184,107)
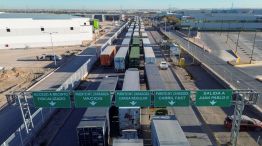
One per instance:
(171,98)
(52,99)
(92,99)
(133,98)
(221,98)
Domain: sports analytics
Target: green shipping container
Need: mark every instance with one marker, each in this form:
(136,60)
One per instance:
(134,57)
(136,42)
(96,23)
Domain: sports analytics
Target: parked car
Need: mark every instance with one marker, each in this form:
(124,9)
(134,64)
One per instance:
(247,123)
(163,65)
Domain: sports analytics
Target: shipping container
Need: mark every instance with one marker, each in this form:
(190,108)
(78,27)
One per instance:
(153,78)
(136,42)
(134,57)
(144,35)
(146,42)
(121,59)
(166,131)
(130,29)
(129,117)
(93,128)
(108,84)
(129,34)
(136,34)
(107,56)
(174,50)
(131,76)
(149,55)
(129,134)
(128,142)
(126,42)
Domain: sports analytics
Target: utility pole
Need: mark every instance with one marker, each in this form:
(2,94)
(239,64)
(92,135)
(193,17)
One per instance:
(221,27)
(51,37)
(237,41)
(228,31)
(242,98)
(165,24)
(253,47)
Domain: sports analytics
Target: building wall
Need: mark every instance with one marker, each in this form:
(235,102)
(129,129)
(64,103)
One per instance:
(223,21)
(26,32)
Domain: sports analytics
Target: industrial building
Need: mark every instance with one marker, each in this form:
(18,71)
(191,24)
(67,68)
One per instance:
(28,32)
(222,20)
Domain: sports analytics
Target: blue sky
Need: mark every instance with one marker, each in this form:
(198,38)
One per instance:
(129,4)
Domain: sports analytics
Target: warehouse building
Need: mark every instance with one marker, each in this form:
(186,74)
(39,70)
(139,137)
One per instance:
(222,20)
(28,32)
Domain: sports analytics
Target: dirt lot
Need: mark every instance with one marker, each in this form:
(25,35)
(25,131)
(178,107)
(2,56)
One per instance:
(19,75)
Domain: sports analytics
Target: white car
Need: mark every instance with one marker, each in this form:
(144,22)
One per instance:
(163,65)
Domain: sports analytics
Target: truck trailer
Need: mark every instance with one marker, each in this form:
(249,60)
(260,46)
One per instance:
(134,57)
(107,56)
(121,59)
(166,131)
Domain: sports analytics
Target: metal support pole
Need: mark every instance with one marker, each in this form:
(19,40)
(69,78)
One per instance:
(42,115)
(228,32)
(239,107)
(221,27)
(258,139)
(22,112)
(237,41)
(28,109)
(21,138)
(53,47)
(188,37)
(253,47)
(165,25)
(51,38)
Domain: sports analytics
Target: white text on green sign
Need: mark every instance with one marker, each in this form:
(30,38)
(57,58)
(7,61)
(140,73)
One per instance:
(92,99)
(171,98)
(133,98)
(55,99)
(214,98)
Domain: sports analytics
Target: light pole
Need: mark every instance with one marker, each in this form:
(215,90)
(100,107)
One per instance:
(188,37)
(228,31)
(237,41)
(165,25)
(51,37)
(253,47)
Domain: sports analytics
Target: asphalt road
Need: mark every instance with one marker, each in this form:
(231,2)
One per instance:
(236,78)
(215,116)
(186,116)
(220,49)
(217,43)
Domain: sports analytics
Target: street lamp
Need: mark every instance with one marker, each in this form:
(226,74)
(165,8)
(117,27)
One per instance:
(238,36)
(51,33)
(228,31)
(165,24)
(253,47)
(237,41)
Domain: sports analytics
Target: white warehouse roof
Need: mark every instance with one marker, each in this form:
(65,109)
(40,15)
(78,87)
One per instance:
(38,23)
